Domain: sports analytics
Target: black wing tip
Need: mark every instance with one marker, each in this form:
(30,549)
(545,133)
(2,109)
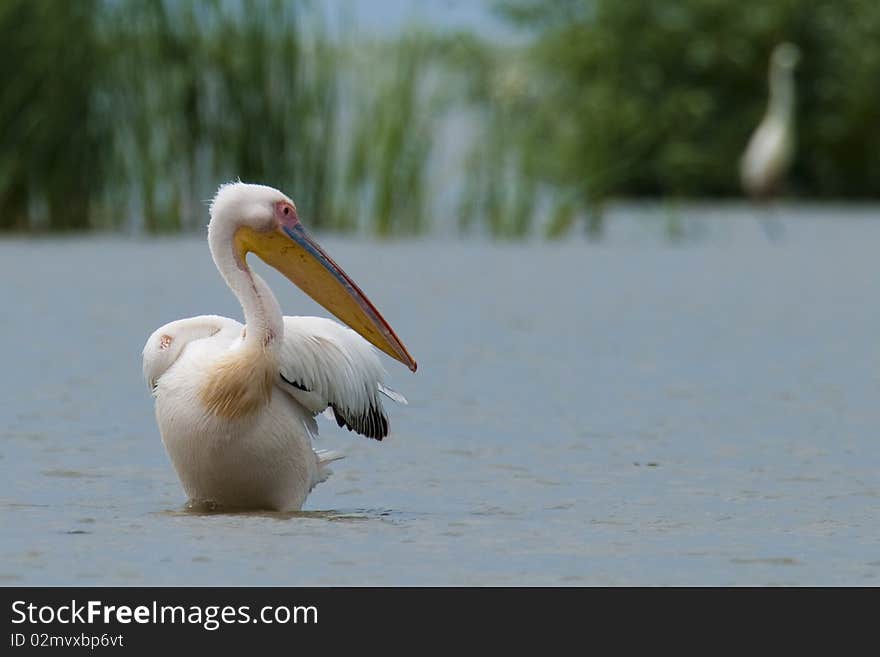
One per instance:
(372,424)
(295,384)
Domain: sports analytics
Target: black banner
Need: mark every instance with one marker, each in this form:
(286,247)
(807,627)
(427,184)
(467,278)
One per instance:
(248,619)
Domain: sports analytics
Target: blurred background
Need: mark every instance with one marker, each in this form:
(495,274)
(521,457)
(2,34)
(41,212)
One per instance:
(507,118)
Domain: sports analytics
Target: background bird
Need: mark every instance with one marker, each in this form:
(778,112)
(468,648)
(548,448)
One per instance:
(770,150)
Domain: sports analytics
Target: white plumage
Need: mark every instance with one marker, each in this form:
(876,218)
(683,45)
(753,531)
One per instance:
(236,404)
(324,364)
(771,148)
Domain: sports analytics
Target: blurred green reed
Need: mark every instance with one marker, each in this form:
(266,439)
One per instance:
(500,186)
(203,92)
(390,129)
(52,152)
(128,113)
(135,121)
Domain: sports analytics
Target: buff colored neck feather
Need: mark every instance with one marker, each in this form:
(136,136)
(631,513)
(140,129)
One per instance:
(241,381)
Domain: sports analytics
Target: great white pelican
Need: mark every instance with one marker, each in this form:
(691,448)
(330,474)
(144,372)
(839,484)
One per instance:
(236,404)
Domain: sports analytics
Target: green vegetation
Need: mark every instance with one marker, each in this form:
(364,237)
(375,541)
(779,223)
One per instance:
(155,102)
(51,151)
(129,113)
(650,98)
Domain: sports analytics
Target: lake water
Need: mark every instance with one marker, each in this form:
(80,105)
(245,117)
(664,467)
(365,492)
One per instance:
(636,411)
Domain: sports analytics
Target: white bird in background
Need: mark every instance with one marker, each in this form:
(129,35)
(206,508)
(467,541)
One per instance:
(236,404)
(770,151)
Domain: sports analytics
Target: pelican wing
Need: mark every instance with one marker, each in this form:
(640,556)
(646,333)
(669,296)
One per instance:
(166,343)
(326,365)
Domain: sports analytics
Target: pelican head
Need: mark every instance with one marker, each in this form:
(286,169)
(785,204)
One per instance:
(262,220)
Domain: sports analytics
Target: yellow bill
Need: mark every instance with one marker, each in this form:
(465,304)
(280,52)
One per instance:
(293,252)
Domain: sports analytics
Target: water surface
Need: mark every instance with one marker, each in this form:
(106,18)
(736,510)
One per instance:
(637,411)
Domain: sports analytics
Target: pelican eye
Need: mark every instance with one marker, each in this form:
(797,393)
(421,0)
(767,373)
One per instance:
(285,212)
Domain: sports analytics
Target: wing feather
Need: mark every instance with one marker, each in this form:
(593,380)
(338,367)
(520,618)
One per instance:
(326,365)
